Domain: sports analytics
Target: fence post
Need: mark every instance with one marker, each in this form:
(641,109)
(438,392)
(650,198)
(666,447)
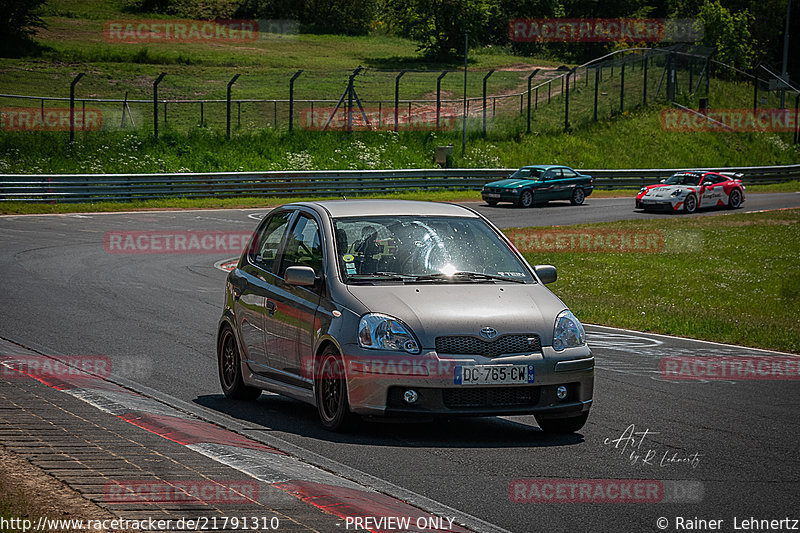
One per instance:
(397,98)
(622,88)
(439,96)
(228,107)
(529,98)
(596,86)
(125,101)
(485,78)
(71,107)
(155,103)
(165,113)
(755,88)
(644,87)
(549,86)
(291,98)
(202,118)
(566,100)
(796,119)
(671,77)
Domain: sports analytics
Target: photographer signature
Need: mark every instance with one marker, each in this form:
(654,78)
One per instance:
(630,444)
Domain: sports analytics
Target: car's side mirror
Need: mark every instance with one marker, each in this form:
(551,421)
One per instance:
(303,276)
(546,273)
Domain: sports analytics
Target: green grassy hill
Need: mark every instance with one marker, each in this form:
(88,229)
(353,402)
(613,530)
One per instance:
(74,42)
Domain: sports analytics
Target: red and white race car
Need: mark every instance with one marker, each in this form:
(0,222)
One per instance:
(690,190)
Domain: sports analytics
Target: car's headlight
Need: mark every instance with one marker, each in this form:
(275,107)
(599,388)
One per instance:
(643,189)
(568,331)
(677,192)
(382,332)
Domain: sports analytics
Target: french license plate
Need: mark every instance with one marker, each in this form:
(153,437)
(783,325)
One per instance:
(493,374)
(491,195)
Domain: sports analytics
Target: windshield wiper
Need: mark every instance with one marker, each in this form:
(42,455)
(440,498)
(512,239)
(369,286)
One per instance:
(472,276)
(382,276)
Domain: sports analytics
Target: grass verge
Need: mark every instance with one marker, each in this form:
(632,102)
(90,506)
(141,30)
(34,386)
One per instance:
(731,278)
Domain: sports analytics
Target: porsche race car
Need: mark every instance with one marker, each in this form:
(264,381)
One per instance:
(690,190)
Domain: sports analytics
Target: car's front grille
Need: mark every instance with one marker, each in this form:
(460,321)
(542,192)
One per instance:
(471,398)
(507,344)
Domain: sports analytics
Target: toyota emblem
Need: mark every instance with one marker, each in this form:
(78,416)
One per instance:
(488,333)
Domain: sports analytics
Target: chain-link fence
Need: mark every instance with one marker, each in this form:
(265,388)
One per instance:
(511,100)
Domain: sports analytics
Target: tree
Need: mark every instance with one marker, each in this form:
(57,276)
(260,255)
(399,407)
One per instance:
(728,32)
(438,26)
(19,19)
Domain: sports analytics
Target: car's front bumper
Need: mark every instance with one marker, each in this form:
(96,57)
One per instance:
(502,196)
(377,383)
(652,204)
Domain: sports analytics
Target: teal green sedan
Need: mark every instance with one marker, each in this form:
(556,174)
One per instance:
(539,184)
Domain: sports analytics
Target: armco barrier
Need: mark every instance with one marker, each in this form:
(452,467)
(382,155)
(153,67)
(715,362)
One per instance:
(126,187)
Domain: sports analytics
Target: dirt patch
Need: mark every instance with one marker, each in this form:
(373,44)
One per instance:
(28,492)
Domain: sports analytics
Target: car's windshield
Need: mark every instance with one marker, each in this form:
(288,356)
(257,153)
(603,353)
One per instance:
(684,178)
(527,174)
(408,248)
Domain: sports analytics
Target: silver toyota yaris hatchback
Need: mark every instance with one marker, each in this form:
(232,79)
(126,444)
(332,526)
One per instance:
(398,308)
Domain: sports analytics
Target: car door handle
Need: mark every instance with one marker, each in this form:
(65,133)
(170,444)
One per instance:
(271,307)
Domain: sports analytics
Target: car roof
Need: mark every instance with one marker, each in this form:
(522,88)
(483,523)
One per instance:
(543,167)
(356,208)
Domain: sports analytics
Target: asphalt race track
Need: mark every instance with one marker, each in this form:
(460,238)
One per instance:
(726,448)
(610,210)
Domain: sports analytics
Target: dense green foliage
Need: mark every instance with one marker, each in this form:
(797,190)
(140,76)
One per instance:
(19,18)
(745,32)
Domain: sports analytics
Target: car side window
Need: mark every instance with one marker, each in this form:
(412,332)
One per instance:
(265,246)
(303,246)
(568,173)
(555,174)
(717,179)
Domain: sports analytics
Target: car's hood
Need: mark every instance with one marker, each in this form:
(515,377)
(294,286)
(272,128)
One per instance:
(434,309)
(508,183)
(659,191)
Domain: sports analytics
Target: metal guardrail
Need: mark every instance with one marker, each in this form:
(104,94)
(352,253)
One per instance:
(127,187)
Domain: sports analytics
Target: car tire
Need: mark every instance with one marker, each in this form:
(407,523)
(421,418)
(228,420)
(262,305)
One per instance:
(525,198)
(330,391)
(578,196)
(491,203)
(735,199)
(230,368)
(690,204)
(562,425)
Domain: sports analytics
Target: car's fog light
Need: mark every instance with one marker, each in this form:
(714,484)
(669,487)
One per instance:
(561,392)
(410,396)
